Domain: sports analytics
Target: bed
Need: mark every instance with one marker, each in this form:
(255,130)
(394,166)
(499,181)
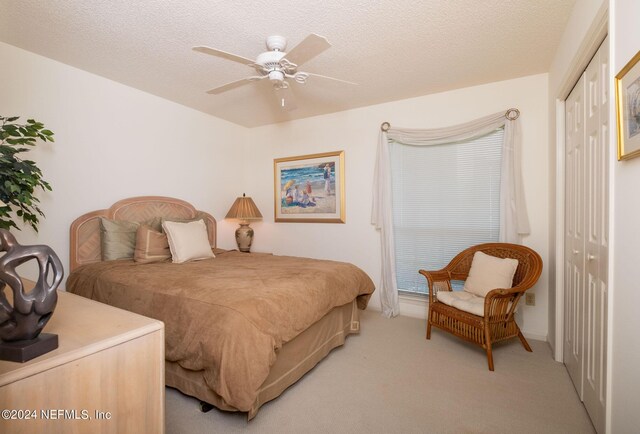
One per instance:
(240,328)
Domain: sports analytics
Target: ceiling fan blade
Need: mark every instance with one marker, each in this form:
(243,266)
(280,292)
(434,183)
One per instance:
(233,85)
(330,78)
(224,55)
(306,50)
(286,98)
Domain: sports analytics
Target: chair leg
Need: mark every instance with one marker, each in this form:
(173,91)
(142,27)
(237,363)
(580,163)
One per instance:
(428,329)
(487,339)
(525,344)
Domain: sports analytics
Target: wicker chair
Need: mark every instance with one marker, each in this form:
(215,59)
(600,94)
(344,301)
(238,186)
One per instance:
(498,322)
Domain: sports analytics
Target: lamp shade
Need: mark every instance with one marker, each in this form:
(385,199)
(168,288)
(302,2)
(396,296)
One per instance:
(244,209)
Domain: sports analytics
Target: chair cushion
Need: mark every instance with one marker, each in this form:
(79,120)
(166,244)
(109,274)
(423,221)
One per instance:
(463,300)
(488,273)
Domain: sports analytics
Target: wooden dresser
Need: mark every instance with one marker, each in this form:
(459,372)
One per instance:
(107,375)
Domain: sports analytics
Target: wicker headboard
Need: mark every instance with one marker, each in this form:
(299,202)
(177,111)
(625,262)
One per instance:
(85,230)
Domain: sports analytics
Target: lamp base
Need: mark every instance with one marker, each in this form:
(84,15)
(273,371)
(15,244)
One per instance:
(244,237)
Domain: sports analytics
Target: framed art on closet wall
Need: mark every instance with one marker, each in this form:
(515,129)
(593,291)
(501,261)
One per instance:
(628,109)
(310,188)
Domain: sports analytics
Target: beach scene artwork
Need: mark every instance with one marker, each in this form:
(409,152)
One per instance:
(627,84)
(633,108)
(308,187)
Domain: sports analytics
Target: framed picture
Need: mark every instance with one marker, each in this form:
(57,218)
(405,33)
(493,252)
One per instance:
(628,109)
(310,188)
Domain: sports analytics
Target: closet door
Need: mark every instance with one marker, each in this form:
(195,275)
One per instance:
(574,235)
(597,229)
(586,237)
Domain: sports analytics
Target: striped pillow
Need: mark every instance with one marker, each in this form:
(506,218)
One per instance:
(151,245)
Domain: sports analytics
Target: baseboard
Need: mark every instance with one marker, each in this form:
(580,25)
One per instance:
(414,306)
(535,336)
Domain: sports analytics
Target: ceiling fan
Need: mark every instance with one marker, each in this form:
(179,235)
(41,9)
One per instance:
(278,66)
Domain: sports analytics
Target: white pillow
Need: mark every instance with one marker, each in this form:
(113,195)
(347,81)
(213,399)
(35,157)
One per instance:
(488,273)
(188,241)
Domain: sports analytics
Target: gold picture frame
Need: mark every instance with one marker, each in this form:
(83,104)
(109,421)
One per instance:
(627,84)
(310,188)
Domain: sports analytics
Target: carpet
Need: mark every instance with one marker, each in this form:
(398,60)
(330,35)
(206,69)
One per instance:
(389,379)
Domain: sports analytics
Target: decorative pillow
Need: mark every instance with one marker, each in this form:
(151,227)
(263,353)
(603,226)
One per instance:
(155,223)
(188,241)
(488,273)
(151,245)
(179,220)
(117,238)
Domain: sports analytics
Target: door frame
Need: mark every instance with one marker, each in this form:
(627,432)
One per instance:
(593,39)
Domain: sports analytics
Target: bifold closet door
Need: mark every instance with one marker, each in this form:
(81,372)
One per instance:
(574,235)
(596,235)
(586,237)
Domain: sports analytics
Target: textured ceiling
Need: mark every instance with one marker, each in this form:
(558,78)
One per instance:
(394,49)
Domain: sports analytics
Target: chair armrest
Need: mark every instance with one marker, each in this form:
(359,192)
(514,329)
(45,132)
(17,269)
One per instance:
(434,277)
(507,291)
(500,303)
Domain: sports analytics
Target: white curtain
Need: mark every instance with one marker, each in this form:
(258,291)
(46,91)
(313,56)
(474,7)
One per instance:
(514,222)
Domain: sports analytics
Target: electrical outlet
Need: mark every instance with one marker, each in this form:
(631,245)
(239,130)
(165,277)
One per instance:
(529,298)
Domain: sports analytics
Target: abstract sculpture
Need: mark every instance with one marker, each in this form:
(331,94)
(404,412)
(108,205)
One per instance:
(22,324)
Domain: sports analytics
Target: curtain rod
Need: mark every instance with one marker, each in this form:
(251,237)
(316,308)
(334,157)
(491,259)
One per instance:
(512,114)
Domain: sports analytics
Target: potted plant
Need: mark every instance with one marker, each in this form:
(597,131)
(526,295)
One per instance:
(21,324)
(19,179)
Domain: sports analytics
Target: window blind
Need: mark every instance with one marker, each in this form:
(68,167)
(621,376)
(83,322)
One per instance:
(445,199)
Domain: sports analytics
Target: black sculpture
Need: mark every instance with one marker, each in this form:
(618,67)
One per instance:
(20,325)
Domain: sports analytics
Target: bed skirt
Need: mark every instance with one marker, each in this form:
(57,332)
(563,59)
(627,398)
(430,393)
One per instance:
(294,359)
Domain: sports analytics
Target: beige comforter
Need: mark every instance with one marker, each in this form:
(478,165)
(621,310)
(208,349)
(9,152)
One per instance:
(227,316)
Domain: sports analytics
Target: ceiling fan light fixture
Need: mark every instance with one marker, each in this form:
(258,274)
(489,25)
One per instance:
(276,76)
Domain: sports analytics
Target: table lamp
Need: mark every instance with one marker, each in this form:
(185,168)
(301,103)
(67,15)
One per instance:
(244,209)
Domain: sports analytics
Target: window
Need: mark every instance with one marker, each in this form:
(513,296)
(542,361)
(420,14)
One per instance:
(445,199)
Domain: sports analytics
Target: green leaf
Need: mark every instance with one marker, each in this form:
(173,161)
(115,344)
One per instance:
(19,179)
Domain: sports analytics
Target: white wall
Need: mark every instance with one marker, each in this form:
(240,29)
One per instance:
(625,321)
(563,74)
(113,142)
(356,132)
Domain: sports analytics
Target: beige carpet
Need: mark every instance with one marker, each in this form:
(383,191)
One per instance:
(389,379)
